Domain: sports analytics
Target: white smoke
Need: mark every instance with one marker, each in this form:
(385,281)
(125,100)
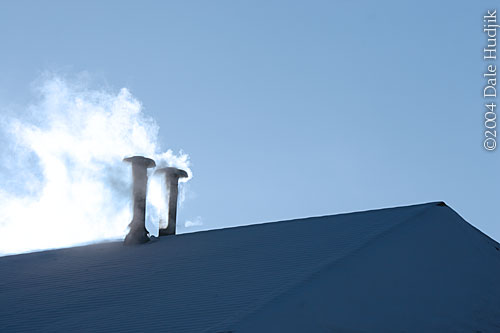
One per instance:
(63,181)
(196,222)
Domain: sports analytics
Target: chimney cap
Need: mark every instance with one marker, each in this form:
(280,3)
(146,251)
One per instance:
(141,160)
(173,172)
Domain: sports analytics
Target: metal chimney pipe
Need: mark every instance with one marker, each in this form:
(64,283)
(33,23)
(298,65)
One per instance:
(138,233)
(172,176)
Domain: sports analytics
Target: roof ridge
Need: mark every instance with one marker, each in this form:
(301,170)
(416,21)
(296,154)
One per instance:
(223,325)
(266,223)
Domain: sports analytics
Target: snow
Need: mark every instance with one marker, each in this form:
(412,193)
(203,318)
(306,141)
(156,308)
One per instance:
(418,268)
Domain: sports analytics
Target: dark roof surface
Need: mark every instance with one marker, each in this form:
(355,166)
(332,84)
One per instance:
(414,268)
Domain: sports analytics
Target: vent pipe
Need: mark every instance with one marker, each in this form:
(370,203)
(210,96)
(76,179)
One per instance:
(138,233)
(172,176)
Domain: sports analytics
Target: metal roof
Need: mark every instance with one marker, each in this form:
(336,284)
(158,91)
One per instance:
(405,268)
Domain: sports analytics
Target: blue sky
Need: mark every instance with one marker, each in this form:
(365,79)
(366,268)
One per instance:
(287,109)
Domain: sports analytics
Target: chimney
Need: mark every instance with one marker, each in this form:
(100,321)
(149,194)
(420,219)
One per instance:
(138,233)
(172,176)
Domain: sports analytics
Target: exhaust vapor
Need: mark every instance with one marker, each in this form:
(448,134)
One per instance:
(62,180)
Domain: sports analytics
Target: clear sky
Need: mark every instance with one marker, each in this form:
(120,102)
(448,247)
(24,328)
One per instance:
(287,109)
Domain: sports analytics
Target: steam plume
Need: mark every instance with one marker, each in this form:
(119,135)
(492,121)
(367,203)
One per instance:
(63,181)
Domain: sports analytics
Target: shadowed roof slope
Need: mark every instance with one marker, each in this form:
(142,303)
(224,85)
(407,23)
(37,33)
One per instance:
(415,268)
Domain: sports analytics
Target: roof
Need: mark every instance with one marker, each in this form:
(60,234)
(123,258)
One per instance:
(415,268)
